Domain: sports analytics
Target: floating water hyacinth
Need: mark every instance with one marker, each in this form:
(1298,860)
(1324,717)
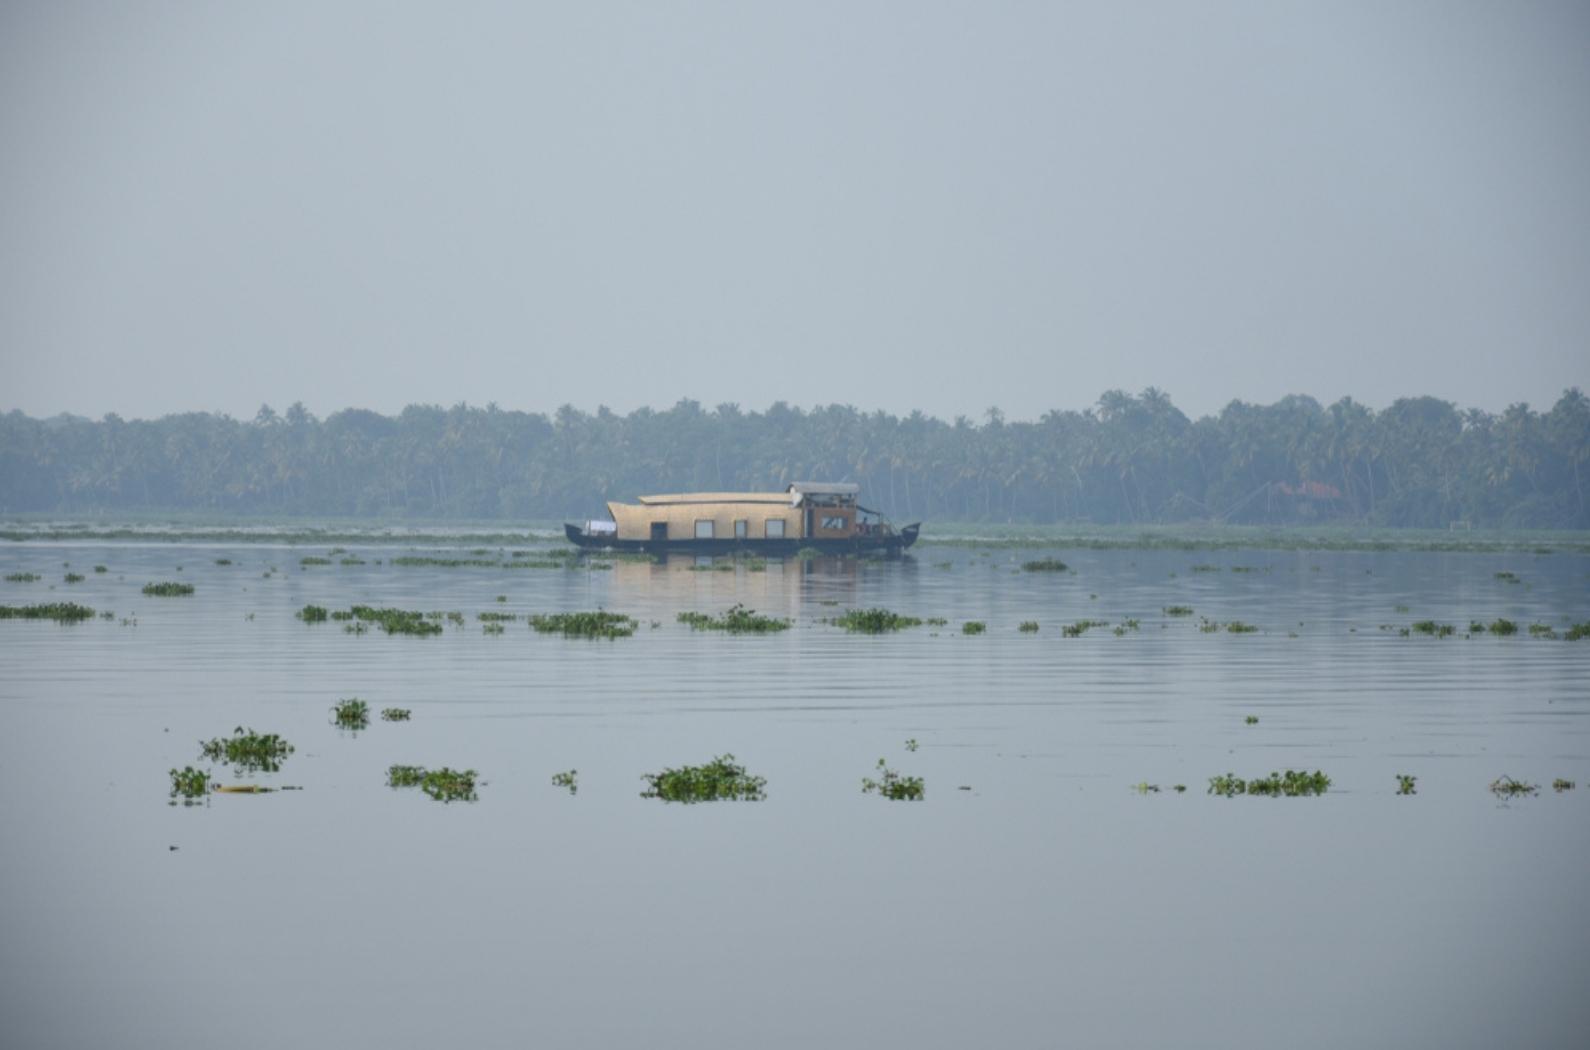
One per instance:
(720,780)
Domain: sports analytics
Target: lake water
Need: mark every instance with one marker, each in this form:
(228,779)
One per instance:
(1049,905)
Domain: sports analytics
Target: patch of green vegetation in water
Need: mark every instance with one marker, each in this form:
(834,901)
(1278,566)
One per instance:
(313,614)
(395,714)
(893,785)
(441,785)
(721,780)
(1507,577)
(1542,630)
(1028,627)
(168,589)
(808,553)
(874,621)
(60,612)
(248,751)
(1178,610)
(569,779)
(973,627)
(1560,785)
(1238,627)
(449,785)
(1044,565)
(1406,784)
(396,621)
(189,786)
(1081,627)
(1503,627)
(496,617)
(1577,631)
(1506,787)
(1292,783)
(314,560)
(738,620)
(1435,630)
(597,624)
(23,577)
(351,714)
(1251,720)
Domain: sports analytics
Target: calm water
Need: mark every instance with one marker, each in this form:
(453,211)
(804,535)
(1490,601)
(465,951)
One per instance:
(1049,905)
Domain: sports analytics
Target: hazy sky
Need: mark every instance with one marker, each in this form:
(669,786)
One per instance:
(901,205)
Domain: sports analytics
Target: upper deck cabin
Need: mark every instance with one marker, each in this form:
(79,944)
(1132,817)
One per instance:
(804,510)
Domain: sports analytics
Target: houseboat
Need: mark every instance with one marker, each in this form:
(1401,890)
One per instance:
(821,515)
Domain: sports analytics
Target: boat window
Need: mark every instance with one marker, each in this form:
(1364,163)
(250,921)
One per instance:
(742,529)
(704,530)
(775,528)
(834,524)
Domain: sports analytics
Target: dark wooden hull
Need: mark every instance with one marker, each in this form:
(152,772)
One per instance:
(891,544)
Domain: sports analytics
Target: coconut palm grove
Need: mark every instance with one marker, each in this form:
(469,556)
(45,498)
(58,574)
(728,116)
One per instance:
(1419,462)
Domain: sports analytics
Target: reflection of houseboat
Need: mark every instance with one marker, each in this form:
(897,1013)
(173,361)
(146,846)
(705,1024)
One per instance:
(824,516)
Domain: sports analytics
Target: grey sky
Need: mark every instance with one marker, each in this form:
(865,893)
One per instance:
(903,205)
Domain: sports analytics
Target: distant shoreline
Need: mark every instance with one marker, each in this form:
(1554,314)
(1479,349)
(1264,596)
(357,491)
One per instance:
(309,532)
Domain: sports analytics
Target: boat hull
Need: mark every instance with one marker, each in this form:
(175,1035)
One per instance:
(891,544)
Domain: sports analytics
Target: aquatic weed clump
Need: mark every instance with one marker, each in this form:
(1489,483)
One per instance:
(168,589)
(875,621)
(23,577)
(247,750)
(397,621)
(1178,610)
(1081,627)
(313,614)
(721,780)
(1406,784)
(1028,626)
(351,714)
(1044,565)
(189,786)
(973,627)
(60,612)
(893,785)
(449,785)
(1435,630)
(738,620)
(1576,632)
(442,785)
(1292,783)
(1502,626)
(597,624)
(395,714)
(1506,787)
(569,779)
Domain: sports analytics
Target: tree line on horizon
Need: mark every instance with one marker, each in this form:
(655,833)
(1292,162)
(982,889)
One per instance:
(1128,459)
